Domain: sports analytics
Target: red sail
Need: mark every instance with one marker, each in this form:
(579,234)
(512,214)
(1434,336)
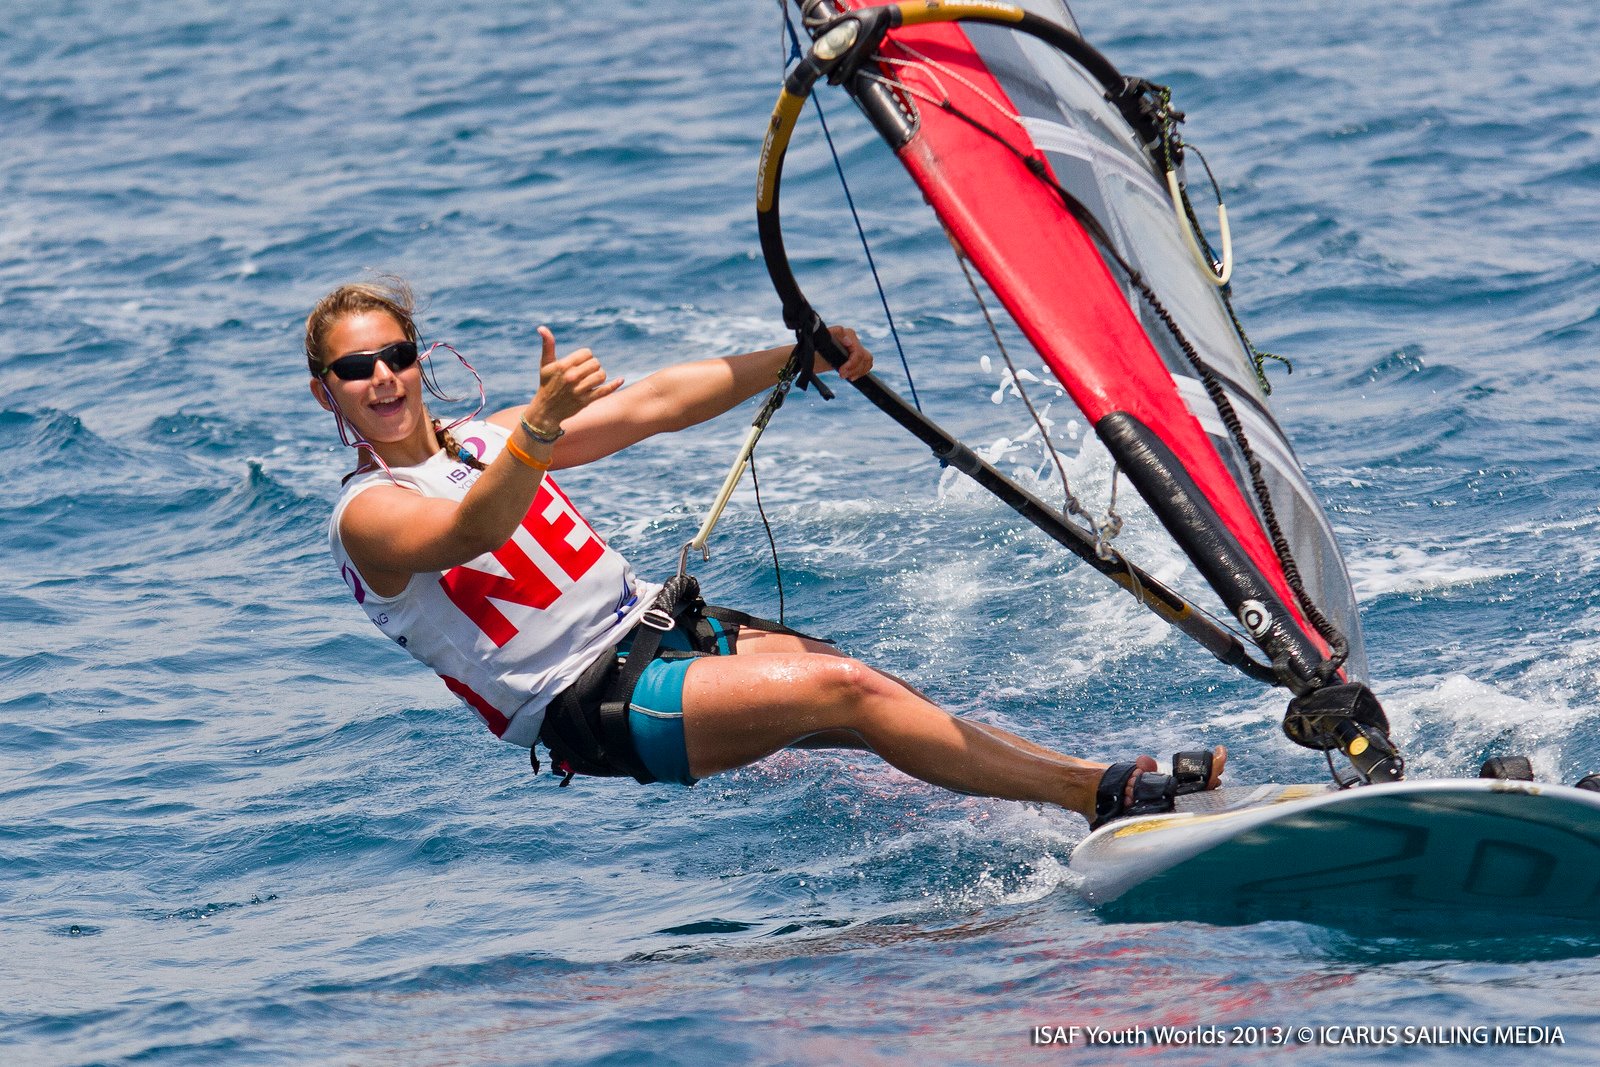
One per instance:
(969,88)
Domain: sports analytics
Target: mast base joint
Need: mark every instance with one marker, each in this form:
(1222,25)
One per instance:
(1349,718)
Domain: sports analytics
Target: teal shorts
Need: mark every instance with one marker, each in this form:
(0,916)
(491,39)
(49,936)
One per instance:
(655,715)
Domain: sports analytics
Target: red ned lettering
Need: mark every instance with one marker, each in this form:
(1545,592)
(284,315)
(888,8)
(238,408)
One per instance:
(474,591)
(552,536)
(566,501)
(471,591)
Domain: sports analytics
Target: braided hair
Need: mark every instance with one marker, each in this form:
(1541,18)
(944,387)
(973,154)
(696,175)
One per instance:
(453,449)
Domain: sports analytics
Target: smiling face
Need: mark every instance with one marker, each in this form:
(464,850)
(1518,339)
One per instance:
(386,408)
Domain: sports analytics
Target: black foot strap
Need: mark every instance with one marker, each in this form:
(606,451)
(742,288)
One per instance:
(1152,793)
(1109,797)
(1192,771)
(1507,769)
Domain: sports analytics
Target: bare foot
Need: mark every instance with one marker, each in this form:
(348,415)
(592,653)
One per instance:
(1219,759)
(1143,764)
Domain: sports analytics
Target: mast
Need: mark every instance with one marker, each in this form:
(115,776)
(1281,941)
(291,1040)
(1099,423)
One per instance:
(1170,399)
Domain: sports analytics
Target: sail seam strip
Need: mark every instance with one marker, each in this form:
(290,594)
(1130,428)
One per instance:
(1192,390)
(1056,137)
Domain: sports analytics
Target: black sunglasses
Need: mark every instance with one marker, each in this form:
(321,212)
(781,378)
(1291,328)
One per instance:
(358,366)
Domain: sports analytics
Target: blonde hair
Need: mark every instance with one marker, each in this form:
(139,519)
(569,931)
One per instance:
(387,293)
(391,295)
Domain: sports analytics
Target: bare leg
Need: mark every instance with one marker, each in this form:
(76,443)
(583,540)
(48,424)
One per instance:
(762,642)
(754,642)
(740,709)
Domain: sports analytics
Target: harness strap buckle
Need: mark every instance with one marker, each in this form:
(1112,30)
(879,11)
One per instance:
(658,619)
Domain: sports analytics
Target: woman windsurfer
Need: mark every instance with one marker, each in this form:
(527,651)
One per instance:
(462,549)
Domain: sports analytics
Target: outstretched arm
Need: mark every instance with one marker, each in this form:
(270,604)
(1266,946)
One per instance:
(680,396)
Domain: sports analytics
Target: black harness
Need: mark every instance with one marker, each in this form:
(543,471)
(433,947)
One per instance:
(586,725)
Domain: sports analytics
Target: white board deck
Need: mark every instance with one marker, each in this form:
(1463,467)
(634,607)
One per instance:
(1520,853)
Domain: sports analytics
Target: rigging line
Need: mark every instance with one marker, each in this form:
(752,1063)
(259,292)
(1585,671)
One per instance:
(861,232)
(766,524)
(872,265)
(1114,524)
(1103,531)
(922,60)
(1188,205)
(1072,505)
(1114,520)
(1208,378)
(1258,356)
(1070,501)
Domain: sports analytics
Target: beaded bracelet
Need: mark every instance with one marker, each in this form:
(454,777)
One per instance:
(542,438)
(523,458)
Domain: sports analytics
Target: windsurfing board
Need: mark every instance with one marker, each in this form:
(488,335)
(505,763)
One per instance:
(1491,854)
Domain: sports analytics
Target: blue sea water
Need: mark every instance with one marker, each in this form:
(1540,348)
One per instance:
(239,827)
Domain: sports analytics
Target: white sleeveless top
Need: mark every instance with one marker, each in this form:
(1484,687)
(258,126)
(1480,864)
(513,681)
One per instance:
(511,629)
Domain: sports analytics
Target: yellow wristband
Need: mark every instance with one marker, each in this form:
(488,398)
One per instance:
(523,458)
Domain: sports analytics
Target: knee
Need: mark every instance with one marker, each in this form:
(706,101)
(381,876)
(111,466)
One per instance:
(850,683)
